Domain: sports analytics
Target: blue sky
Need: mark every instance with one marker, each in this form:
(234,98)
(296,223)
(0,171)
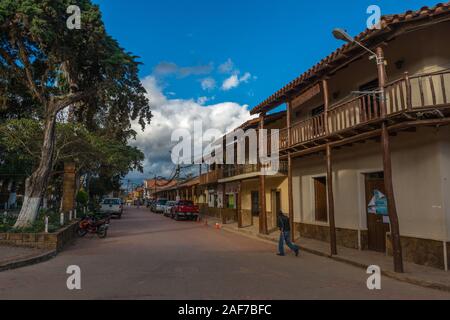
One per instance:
(214,60)
(275,41)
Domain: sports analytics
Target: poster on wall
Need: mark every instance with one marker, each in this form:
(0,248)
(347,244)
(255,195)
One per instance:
(378,204)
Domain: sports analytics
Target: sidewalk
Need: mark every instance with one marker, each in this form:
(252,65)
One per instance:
(16,257)
(415,274)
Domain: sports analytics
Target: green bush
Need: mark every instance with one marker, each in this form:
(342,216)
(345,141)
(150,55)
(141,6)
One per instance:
(82,198)
(37,227)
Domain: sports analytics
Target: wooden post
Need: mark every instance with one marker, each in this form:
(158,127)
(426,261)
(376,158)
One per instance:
(262,188)
(381,80)
(387,167)
(239,206)
(290,185)
(408,92)
(392,209)
(326,101)
(331,202)
(290,198)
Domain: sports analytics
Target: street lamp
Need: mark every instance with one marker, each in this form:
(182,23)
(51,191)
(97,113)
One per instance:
(342,34)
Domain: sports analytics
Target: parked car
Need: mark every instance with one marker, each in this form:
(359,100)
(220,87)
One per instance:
(112,206)
(185,209)
(148,203)
(168,208)
(158,207)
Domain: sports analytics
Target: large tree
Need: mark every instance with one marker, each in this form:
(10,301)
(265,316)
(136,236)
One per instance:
(84,70)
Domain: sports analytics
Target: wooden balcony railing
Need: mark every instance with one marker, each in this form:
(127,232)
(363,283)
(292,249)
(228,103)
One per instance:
(240,169)
(408,94)
(211,177)
(307,130)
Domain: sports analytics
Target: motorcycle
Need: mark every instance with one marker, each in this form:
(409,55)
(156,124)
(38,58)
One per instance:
(91,224)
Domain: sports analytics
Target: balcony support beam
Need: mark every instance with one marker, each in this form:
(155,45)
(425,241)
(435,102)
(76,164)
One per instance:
(290,198)
(262,190)
(290,191)
(326,101)
(333,245)
(392,209)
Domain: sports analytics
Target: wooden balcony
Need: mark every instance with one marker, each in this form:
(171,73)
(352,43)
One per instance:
(211,177)
(424,96)
(230,171)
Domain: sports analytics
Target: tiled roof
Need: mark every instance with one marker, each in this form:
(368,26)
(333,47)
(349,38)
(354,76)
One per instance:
(386,21)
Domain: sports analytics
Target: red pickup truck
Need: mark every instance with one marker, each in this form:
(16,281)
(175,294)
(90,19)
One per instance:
(185,209)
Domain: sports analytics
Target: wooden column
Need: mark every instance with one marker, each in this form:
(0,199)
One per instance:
(262,189)
(381,80)
(68,200)
(290,184)
(326,101)
(392,208)
(239,206)
(331,202)
(387,167)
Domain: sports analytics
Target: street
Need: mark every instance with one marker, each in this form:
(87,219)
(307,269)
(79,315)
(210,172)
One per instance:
(148,256)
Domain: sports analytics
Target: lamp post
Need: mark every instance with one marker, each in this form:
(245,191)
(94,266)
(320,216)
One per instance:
(341,34)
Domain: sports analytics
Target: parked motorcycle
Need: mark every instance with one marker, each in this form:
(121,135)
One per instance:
(91,224)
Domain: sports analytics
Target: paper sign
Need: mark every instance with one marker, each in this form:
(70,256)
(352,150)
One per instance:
(378,204)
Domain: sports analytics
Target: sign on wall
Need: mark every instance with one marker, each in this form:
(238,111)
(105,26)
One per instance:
(378,204)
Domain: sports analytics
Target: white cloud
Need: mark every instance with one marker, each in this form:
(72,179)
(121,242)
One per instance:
(170,114)
(234,81)
(227,66)
(203,100)
(169,68)
(208,84)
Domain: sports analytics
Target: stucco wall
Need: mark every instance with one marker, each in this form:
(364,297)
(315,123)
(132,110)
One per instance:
(418,161)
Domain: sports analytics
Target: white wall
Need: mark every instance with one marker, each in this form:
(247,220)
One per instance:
(421,167)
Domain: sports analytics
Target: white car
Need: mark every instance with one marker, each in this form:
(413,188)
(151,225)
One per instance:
(168,208)
(112,206)
(159,205)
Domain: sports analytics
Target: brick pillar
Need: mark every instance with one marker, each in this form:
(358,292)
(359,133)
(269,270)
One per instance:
(68,200)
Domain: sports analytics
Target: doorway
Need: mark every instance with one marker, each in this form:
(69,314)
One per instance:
(320,199)
(376,226)
(276,207)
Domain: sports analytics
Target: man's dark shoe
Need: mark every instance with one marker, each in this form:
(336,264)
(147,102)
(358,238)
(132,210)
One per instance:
(297,252)
(279,254)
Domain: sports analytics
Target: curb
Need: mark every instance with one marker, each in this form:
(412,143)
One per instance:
(389,274)
(28,261)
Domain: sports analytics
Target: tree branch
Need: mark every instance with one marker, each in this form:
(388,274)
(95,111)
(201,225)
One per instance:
(29,74)
(62,102)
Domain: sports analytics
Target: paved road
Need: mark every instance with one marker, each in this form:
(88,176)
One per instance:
(147,256)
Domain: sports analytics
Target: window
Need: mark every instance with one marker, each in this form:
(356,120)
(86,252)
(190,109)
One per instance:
(229,201)
(320,194)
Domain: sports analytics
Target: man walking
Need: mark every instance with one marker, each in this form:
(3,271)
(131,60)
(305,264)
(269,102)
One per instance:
(285,235)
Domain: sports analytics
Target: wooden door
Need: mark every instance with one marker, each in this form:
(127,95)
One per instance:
(320,195)
(377,229)
(255,203)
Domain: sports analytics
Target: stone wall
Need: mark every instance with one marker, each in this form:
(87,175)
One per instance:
(49,241)
(344,237)
(421,251)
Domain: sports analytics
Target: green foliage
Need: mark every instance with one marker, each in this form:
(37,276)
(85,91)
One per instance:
(82,198)
(91,151)
(37,227)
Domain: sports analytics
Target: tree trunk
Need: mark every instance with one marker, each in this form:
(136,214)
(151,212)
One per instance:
(36,184)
